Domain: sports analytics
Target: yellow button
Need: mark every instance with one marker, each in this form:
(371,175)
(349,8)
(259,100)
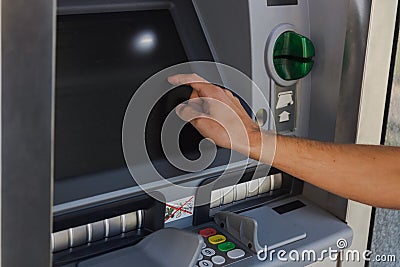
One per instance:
(216,239)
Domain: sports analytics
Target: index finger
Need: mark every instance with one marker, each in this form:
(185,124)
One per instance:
(201,87)
(195,81)
(180,79)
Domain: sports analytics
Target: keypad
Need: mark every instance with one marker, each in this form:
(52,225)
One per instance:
(219,248)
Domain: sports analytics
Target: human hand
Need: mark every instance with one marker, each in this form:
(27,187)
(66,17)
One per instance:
(217,114)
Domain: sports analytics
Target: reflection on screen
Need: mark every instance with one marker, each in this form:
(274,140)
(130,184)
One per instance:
(101,61)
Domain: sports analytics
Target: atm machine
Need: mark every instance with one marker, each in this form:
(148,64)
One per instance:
(105,50)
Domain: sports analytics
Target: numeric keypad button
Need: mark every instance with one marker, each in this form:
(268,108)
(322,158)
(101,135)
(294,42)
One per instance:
(236,253)
(205,263)
(208,252)
(218,260)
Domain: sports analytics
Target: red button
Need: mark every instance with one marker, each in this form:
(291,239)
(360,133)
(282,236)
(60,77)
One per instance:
(207,232)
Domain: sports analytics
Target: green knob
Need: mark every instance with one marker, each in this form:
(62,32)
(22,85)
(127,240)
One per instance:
(293,56)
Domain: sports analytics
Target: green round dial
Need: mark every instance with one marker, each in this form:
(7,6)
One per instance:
(293,56)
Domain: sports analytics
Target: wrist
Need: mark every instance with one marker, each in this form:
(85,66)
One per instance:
(262,146)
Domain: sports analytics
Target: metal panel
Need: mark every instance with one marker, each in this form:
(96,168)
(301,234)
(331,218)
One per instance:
(348,98)
(353,69)
(233,29)
(350,90)
(27,71)
(328,20)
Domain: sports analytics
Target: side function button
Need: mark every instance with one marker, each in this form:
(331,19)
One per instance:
(241,191)
(226,246)
(205,263)
(236,253)
(113,226)
(77,236)
(218,260)
(200,257)
(129,222)
(208,252)
(216,239)
(207,232)
(96,231)
(60,240)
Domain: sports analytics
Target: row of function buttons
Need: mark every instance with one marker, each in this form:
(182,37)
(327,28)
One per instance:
(85,234)
(92,232)
(241,191)
(224,246)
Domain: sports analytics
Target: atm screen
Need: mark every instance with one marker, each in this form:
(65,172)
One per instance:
(101,60)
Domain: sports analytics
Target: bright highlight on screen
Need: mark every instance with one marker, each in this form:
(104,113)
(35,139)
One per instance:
(145,41)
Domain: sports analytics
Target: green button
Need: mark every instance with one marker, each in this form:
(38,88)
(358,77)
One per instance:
(293,56)
(226,246)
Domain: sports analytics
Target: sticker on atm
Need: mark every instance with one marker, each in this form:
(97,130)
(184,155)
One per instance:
(179,209)
(285,99)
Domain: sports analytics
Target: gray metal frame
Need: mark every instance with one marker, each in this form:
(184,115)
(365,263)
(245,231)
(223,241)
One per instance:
(26,92)
(341,116)
(353,70)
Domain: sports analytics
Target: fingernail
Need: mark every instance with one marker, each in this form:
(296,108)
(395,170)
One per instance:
(171,79)
(179,108)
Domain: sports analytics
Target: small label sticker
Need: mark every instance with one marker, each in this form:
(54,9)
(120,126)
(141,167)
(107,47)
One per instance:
(284,117)
(285,99)
(179,209)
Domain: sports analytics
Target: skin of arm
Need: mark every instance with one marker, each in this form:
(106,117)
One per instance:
(364,173)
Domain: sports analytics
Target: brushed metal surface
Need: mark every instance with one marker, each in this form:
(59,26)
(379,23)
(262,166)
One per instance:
(26,91)
(341,117)
(352,71)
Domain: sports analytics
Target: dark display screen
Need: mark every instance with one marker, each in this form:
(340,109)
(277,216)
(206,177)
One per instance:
(101,60)
(281,2)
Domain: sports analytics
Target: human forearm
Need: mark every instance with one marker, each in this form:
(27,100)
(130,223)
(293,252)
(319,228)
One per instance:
(368,174)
